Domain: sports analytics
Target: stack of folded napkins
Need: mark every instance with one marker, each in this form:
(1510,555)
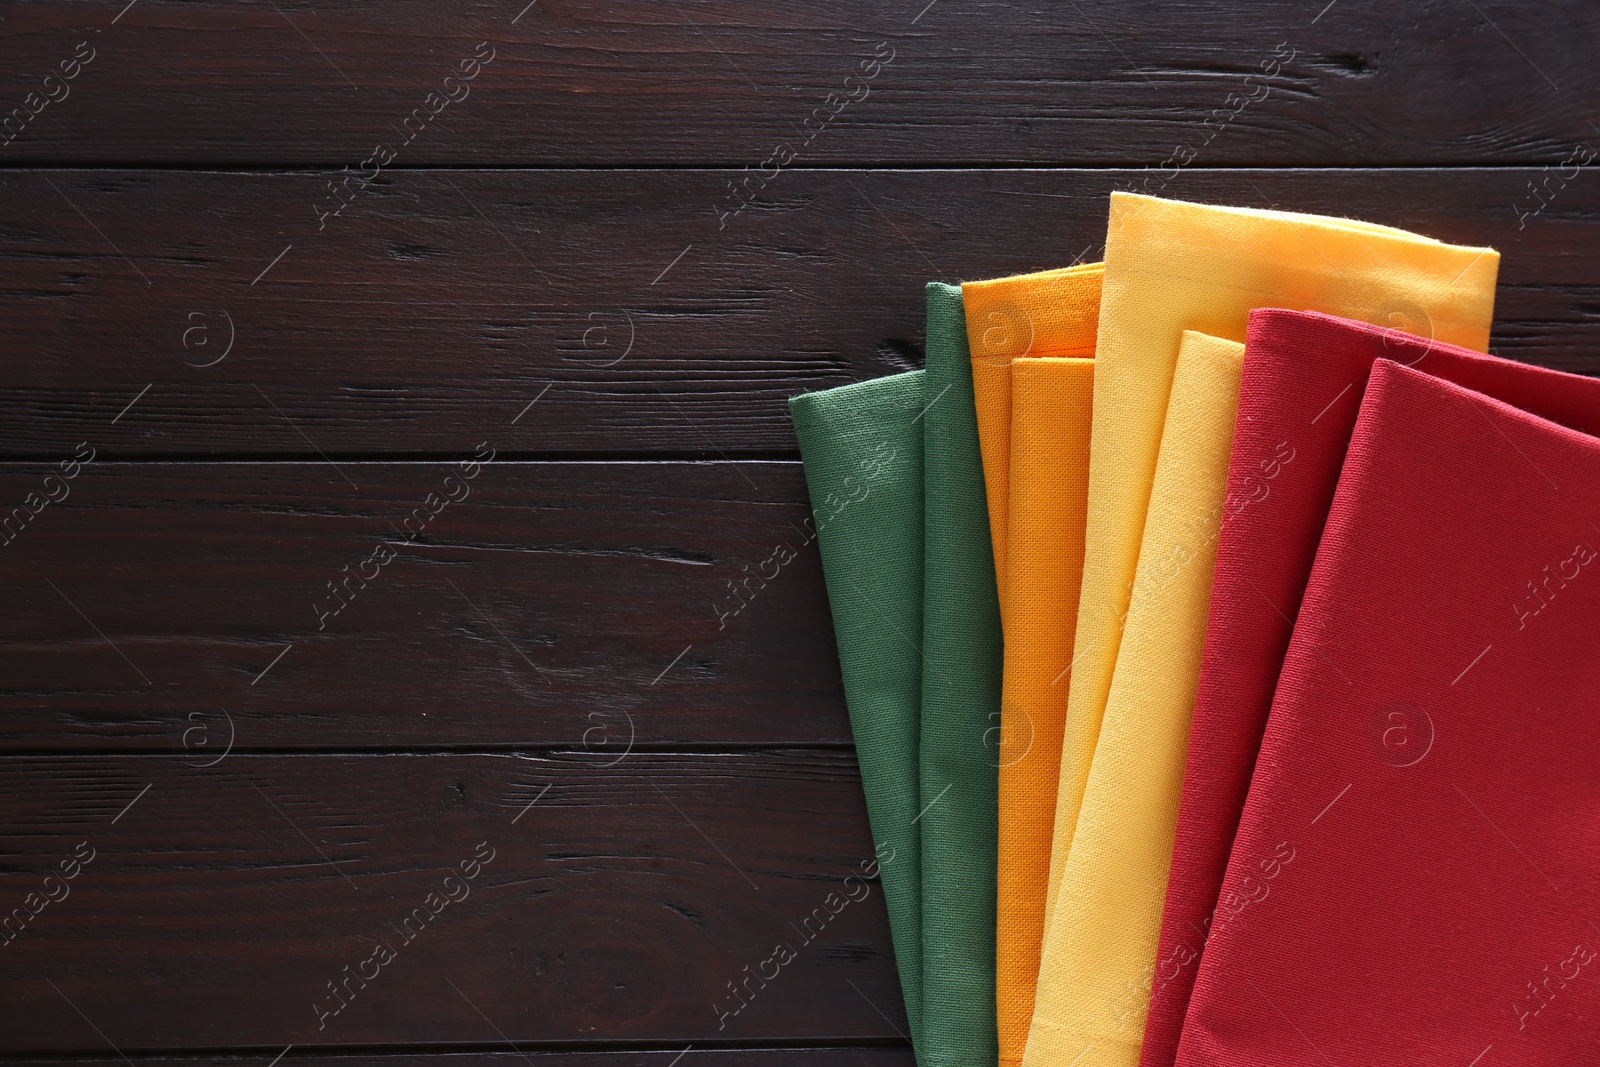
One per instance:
(1220,631)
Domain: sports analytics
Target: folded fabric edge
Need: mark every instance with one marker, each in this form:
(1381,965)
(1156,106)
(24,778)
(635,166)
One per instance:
(837,418)
(1330,221)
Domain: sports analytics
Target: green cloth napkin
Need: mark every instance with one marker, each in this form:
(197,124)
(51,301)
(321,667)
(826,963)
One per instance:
(862,447)
(961,669)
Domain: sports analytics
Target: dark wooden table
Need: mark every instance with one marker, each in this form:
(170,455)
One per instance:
(392,394)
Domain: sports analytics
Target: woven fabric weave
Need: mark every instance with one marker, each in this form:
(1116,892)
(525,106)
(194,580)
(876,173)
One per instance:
(1051,406)
(1031,336)
(862,448)
(1171,267)
(1304,377)
(1103,932)
(1044,314)
(1417,870)
(960,701)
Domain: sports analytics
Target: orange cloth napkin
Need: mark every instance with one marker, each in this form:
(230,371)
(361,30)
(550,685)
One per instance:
(1032,338)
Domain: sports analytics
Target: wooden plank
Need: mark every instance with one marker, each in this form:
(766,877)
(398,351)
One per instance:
(827,1056)
(580,606)
(619,905)
(628,82)
(440,304)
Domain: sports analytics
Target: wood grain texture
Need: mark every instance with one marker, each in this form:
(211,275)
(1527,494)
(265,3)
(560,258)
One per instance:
(440,304)
(277,360)
(636,82)
(619,905)
(824,1056)
(589,607)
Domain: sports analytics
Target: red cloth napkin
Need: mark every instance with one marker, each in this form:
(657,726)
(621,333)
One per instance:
(1304,376)
(1416,875)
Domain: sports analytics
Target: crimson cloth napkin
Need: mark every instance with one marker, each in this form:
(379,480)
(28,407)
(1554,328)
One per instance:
(862,447)
(1304,375)
(1416,876)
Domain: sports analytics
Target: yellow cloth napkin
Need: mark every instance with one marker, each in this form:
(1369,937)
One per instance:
(1172,267)
(1048,313)
(1122,847)
(1033,426)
